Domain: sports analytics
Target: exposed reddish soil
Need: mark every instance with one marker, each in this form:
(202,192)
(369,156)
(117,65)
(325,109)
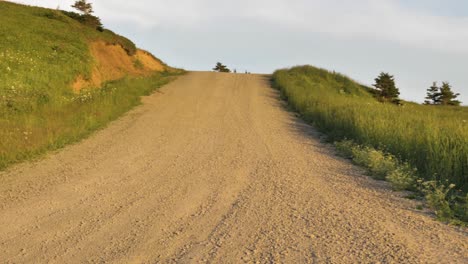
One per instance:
(111,62)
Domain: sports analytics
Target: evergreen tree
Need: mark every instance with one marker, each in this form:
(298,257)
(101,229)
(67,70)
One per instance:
(83,6)
(433,95)
(221,68)
(447,96)
(85,18)
(385,84)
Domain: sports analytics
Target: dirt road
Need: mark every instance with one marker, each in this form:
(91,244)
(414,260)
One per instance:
(211,169)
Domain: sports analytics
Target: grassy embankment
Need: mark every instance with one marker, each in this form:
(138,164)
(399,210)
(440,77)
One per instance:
(415,147)
(42,52)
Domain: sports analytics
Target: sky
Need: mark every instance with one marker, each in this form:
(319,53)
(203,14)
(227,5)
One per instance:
(417,41)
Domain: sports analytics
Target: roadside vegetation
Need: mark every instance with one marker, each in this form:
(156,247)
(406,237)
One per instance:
(42,52)
(219,67)
(415,147)
(27,134)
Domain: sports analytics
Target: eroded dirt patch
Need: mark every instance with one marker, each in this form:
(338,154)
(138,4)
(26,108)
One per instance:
(111,62)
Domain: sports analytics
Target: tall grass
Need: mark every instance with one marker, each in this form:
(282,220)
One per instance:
(42,51)
(25,135)
(432,139)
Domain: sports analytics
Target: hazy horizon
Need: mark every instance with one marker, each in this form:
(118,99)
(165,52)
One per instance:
(416,41)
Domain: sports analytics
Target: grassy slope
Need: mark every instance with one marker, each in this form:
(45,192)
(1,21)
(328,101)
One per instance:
(433,139)
(41,53)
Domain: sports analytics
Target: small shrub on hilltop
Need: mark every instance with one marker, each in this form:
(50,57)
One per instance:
(88,20)
(219,67)
(85,18)
(83,6)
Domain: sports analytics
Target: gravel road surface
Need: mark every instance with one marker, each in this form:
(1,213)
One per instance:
(212,168)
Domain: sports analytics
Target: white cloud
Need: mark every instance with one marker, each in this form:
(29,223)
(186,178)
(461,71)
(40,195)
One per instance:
(379,19)
(358,37)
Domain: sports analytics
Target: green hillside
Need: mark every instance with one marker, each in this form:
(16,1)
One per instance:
(432,139)
(42,52)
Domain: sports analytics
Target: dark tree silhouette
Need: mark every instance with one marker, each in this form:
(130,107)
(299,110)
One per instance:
(447,96)
(84,7)
(433,95)
(385,84)
(441,95)
(221,68)
(85,18)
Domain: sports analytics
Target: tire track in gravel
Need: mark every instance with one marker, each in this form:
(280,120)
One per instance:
(211,169)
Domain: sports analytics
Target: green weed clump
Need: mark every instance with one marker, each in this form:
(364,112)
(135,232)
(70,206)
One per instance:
(448,203)
(380,165)
(439,198)
(345,148)
(403,177)
(395,143)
